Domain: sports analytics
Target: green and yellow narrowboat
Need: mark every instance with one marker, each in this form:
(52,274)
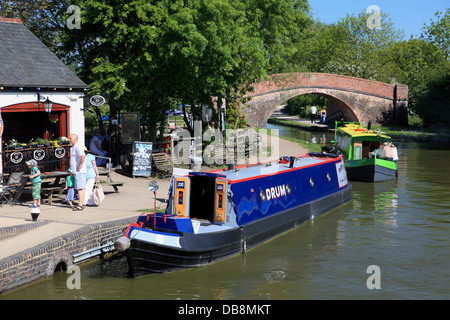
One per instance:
(362,148)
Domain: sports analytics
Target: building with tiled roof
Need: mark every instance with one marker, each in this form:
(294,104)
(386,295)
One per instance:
(32,78)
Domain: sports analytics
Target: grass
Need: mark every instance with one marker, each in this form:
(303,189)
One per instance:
(311,147)
(417,131)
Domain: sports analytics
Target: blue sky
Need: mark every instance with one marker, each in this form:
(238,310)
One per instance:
(407,15)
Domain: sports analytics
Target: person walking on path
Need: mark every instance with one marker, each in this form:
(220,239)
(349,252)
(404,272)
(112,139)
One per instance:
(70,187)
(313,114)
(35,178)
(78,166)
(91,176)
(323,115)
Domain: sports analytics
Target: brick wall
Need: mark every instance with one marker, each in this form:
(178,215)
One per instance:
(40,261)
(277,82)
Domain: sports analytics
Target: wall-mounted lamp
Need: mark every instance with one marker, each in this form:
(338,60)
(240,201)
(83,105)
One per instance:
(47,103)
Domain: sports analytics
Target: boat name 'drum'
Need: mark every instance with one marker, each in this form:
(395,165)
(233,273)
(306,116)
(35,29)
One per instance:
(276,192)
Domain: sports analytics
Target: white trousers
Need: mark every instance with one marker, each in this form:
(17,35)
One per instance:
(89,192)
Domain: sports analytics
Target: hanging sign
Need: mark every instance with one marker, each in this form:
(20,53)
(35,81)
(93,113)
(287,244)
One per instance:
(97,100)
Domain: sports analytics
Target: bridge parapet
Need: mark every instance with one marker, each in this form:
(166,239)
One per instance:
(357,99)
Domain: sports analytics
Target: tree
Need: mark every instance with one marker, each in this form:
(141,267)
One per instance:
(438,32)
(434,99)
(279,24)
(411,63)
(361,51)
(315,48)
(149,55)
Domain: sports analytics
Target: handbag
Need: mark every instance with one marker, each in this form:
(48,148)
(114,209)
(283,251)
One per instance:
(98,193)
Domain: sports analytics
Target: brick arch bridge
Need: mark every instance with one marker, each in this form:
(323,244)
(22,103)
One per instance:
(351,98)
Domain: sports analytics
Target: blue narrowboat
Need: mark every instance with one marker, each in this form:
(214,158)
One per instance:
(214,215)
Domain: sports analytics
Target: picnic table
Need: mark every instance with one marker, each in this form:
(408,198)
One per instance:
(50,185)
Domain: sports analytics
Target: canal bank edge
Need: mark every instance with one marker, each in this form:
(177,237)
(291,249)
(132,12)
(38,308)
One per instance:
(42,260)
(406,135)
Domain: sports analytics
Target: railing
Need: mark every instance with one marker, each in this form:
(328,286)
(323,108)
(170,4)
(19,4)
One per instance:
(49,158)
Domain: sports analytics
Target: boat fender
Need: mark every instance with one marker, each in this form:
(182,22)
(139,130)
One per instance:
(122,244)
(284,159)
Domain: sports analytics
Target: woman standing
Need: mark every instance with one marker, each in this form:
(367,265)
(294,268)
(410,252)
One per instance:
(91,176)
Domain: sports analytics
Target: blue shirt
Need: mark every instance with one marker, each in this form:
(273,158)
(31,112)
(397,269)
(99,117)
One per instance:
(90,172)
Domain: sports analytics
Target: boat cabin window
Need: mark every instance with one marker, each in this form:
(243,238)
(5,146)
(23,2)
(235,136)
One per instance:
(202,197)
(369,147)
(357,153)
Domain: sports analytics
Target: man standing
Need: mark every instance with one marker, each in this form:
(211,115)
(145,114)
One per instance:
(313,114)
(78,166)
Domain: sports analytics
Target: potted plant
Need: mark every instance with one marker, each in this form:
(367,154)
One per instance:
(32,143)
(42,142)
(12,144)
(63,141)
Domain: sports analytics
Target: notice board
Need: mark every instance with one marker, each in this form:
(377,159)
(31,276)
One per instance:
(142,158)
(130,127)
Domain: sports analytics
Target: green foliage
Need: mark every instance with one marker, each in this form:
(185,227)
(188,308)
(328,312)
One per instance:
(149,55)
(438,33)
(301,105)
(434,99)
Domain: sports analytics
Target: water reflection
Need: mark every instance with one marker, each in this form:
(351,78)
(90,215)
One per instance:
(378,201)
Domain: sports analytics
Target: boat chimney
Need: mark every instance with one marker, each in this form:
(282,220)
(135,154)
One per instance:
(230,166)
(291,164)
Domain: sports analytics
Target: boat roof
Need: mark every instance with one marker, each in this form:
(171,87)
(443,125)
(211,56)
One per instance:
(358,132)
(249,172)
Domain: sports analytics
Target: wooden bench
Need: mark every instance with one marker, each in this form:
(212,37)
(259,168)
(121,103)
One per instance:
(114,184)
(163,163)
(50,191)
(46,191)
(106,172)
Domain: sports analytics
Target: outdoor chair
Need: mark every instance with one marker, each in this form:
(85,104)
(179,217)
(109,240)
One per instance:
(3,191)
(8,191)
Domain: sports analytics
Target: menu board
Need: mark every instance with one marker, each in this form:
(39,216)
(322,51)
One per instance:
(142,158)
(130,127)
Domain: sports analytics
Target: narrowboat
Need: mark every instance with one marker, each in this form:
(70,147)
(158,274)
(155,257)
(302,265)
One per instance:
(217,214)
(362,148)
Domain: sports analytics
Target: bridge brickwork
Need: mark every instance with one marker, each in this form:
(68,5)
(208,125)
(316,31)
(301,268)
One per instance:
(353,99)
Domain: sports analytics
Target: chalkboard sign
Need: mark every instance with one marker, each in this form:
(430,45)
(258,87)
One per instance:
(142,158)
(130,127)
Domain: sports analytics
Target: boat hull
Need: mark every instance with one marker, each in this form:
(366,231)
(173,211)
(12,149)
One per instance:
(193,250)
(371,170)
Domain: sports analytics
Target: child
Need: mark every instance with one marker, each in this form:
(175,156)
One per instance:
(70,187)
(35,178)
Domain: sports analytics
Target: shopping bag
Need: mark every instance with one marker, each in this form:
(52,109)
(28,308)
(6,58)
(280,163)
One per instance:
(98,193)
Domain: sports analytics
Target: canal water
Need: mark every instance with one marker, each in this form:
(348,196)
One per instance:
(390,242)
